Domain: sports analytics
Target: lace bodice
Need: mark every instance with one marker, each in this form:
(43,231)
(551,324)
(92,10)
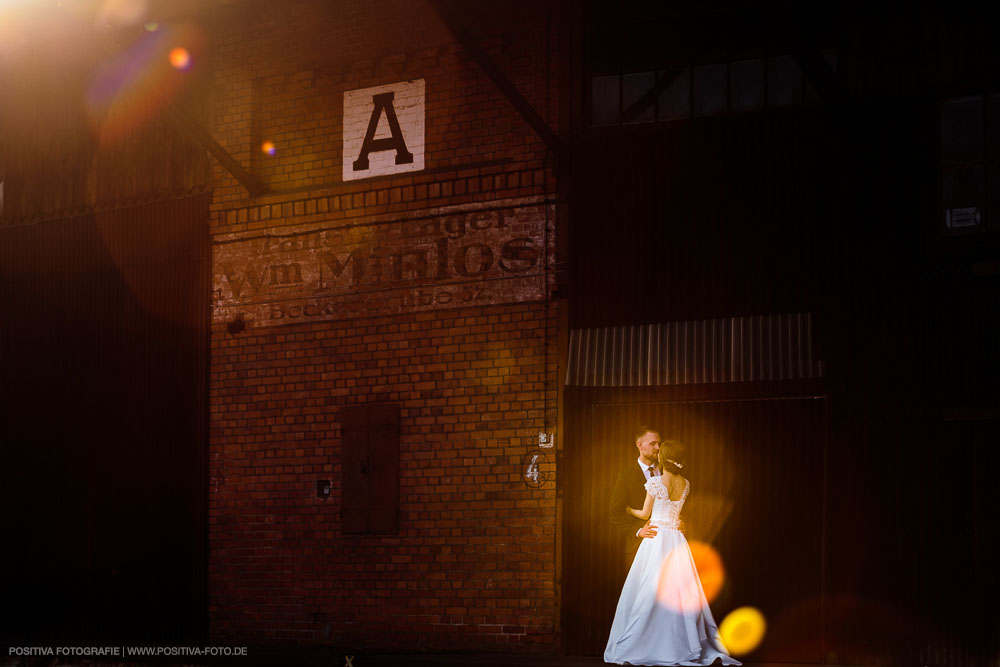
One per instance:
(666,512)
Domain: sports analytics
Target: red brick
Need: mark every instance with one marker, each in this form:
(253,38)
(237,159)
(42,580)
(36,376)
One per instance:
(474,389)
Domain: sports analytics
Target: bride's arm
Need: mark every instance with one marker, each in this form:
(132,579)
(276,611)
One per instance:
(647,508)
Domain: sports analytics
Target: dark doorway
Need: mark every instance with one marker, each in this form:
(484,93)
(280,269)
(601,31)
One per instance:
(757,471)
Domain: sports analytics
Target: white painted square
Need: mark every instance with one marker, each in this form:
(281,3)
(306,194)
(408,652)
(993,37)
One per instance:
(407,104)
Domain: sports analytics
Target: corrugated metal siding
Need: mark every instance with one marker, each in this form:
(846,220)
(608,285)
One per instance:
(103,409)
(834,216)
(731,349)
(970,636)
(65,155)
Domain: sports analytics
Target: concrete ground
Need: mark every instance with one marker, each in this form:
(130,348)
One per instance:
(328,658)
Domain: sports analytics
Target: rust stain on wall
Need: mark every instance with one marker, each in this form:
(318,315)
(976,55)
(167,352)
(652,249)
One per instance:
(442,258)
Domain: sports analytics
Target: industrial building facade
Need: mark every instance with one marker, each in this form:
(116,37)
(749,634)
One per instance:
(383,332)
(348,311)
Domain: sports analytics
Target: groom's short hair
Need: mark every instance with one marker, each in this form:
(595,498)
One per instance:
(643,430)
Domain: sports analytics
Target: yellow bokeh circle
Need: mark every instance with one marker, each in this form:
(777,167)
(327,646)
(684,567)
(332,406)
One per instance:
(742,630)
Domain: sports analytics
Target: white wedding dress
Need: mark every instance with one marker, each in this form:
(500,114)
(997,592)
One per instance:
(663,616)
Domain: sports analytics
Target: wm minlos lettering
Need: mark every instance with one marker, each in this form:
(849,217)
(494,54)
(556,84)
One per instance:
(254,277)
(441,260)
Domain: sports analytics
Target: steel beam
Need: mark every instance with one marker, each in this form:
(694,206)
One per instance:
(469,43)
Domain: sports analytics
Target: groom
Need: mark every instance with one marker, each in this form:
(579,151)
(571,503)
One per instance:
(630,491)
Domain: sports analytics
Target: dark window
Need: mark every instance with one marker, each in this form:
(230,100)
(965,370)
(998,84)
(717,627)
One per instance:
(634,86)
(970,164)
(746,85)
(710,89)
(710,84)
(675,100)
(784,82)
(370,485)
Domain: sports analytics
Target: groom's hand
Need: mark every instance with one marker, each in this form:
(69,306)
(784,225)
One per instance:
(649,530)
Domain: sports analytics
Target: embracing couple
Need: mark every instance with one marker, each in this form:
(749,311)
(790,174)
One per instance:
(663,616)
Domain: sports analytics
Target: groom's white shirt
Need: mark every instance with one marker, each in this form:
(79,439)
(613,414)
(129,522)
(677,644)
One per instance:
(645,473)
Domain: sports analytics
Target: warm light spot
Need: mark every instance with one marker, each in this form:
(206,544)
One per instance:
(710,569)
(742,630)
(130,87)
(268,147)
(152,26)
(180,58)
(121,13)
(679,588)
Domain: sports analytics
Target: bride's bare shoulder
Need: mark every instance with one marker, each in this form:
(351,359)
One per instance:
(676,486)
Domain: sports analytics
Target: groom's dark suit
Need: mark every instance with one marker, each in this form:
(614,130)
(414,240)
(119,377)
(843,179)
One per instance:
(629,491)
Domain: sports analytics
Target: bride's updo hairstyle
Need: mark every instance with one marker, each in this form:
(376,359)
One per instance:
(671,457)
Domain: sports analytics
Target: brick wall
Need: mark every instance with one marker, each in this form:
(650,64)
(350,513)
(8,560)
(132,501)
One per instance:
(474,557)
(473,564)
(281,74)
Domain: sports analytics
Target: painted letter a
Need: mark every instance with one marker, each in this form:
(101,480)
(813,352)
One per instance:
(383,104)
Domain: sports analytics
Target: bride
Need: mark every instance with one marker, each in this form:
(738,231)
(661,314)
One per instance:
(663,616)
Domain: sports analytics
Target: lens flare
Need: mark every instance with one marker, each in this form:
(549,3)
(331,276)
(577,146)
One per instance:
(121,13)
(268,147)
(131,88)
(680,592)
(710,569)
(742,630)
(152,26)
(180,58)
(8,30)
